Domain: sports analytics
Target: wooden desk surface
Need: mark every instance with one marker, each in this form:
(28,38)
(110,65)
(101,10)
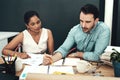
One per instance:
(105,70)
(37,76)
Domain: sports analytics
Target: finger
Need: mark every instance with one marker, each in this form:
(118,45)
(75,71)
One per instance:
(28,56)
(46,62)
(49,58)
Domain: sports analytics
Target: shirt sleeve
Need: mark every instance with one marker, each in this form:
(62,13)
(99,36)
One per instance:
(101,43)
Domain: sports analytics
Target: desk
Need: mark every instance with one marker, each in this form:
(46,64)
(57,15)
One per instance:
(4,38)
(106,70)
(38,76)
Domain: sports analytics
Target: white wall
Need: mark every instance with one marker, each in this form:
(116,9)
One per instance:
(109,13)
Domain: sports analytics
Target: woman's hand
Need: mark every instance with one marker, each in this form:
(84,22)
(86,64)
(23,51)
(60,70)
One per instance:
(23,55)
(47,59)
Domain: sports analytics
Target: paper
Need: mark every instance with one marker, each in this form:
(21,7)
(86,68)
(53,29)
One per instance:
(68,62)
(35,60)
(59,62)
(109,49)
(61,69)
(32,69)
(105,56)
(44,70)
(71,61)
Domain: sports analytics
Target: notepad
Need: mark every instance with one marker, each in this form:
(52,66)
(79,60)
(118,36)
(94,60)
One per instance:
(44,70)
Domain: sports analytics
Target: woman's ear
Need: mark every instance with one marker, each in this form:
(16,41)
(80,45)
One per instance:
(27,26)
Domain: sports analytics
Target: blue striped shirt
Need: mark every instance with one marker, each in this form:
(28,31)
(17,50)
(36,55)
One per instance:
(92,44)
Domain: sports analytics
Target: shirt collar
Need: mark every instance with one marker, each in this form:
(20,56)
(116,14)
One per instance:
(92,30)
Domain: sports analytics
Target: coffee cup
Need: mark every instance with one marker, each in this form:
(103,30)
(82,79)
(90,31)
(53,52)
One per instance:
(18,64)
(83,66)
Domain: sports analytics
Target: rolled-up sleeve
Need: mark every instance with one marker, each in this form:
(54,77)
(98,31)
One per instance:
(68,43)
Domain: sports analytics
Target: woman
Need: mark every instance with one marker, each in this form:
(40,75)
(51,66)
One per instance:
(34,39)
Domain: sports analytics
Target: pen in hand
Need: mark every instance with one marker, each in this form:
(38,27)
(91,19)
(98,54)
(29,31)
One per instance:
(47,59)
(63,61)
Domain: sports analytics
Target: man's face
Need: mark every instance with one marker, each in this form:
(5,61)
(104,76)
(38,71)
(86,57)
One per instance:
(87,21)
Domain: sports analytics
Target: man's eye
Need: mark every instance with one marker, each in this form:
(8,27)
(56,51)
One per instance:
(88,21)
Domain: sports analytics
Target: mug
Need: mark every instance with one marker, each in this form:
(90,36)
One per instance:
(18,64)
(83,66)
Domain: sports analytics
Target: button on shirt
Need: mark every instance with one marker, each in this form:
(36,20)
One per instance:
(92,44)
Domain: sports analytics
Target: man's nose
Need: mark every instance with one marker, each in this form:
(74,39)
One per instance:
(83,25)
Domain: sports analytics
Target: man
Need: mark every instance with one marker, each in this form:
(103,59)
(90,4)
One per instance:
(90,36)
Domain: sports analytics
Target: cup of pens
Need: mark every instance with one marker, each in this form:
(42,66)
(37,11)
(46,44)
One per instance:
(9,66)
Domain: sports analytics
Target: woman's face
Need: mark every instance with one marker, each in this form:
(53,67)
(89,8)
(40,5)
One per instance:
(34,24)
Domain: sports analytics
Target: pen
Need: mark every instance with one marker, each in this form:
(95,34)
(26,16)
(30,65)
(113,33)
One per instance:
(73,49)
(4,59)
(8,57)
(63,61)
(14,59)
(48,69)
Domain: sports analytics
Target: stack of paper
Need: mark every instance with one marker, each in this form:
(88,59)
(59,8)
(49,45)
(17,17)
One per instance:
(105,57)
(44,70)
(109,49)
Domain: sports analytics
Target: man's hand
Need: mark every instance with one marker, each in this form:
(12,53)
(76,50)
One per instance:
(72,55)
(76,55)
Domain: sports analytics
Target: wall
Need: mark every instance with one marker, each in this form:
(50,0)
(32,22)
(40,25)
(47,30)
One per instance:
(57,15)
